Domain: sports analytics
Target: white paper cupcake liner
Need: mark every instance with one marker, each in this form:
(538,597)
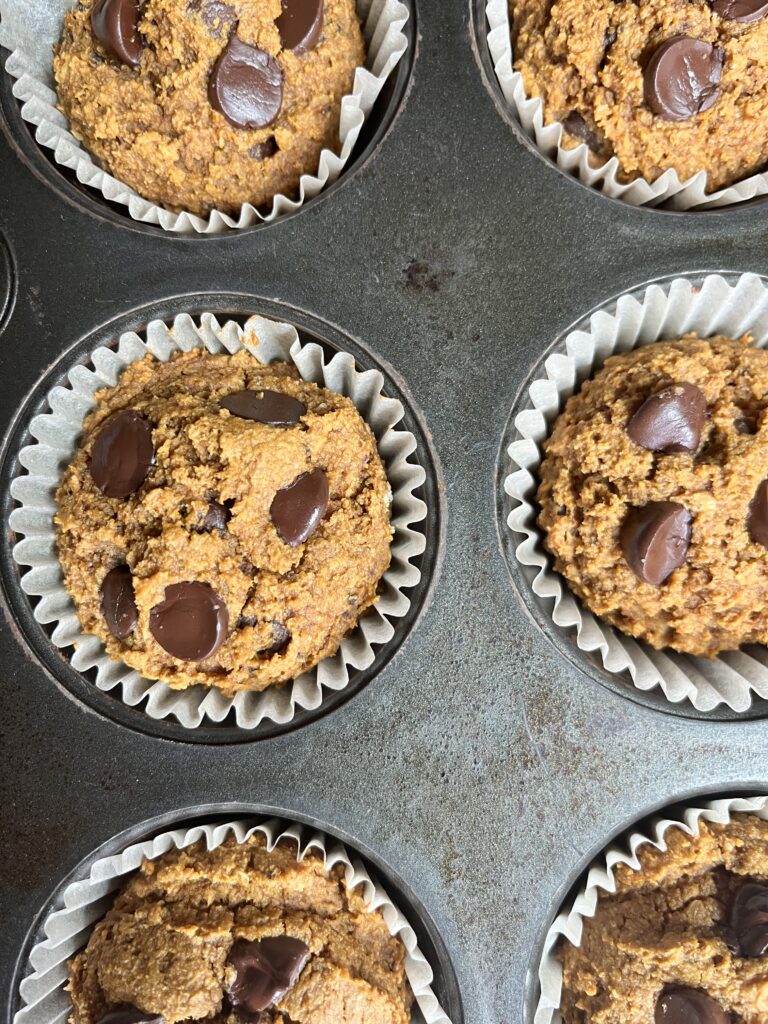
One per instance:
(569,923)
(709,306)
(86,901)
(29,29)
(580,162)
(57,435)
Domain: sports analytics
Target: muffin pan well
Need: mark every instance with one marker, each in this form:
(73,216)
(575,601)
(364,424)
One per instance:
(482,763)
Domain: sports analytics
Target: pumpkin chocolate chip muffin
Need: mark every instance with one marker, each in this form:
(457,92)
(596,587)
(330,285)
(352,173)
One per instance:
(239,934)
(684,940)
(654,494)
(222,522)
(658,84)
(205,104)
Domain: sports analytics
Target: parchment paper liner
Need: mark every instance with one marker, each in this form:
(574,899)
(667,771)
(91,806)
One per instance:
(30,28)
(568,924)
(661,312)
(580,162)
(85,902)
(58,434)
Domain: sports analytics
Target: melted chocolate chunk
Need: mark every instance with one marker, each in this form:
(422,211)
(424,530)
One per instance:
(128,1014)
(191,623)
(264,150)
(246,85)
(682,78)
(671,421)
(740,10)
(282,637)
(688,1006)
(272,407)
(215,15)
(264,971)
(118,604)
(217,517)
(115,24)
(575,125)
(655,539)
(757,517)
(300,25)
(297,509)
(749,920)
(122,454)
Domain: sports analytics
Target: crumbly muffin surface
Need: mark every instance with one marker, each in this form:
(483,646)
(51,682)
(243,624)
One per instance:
(288,606)
(585,59)
(668,926)
(153,126)
(593,474)
(164,946)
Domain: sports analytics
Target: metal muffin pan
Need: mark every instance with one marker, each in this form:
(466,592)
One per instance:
(480,764)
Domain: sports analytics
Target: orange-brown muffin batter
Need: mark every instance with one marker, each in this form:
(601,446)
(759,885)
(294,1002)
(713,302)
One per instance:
(170,945)
(278,535)
(711,595)
(680,924)
(154,126)
(586,59)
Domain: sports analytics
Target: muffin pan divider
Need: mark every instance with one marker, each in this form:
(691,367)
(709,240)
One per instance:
(479,767)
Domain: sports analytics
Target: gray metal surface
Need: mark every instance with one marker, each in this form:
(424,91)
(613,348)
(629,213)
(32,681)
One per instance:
(480,764)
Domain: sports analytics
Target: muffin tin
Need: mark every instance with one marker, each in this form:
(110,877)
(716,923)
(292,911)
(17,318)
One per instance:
(481,769)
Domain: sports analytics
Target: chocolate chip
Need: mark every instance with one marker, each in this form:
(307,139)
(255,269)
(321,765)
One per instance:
(297,509)
(264,150)
(122,454)
(272,407)
(115,24)
(757,516)
(215,15)
(217,517)
(264,971)
(128,1014)
(740,10)
(749,920)
(655,539)
(118,604)
(246,85)
(682,78)
(575,125)
(688,1006)
(282,638)
(671,421)
(191,623)
(300,25)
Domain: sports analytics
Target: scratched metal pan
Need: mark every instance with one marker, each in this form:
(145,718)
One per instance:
(481,766)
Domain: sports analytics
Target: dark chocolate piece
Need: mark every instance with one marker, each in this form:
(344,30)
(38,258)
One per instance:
(740,10)
(115,24)
(217,516)
(682,78)
(749,920)
(300,25)
(264,150)
(264,971)
(671,421)
(122,454)
(575,125)
(688,1006)
(215,15)
(191,623)
(272,407)
(757,517)
(118,604)
(655,539)
(128,1014)
(246,85)
(297,509)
